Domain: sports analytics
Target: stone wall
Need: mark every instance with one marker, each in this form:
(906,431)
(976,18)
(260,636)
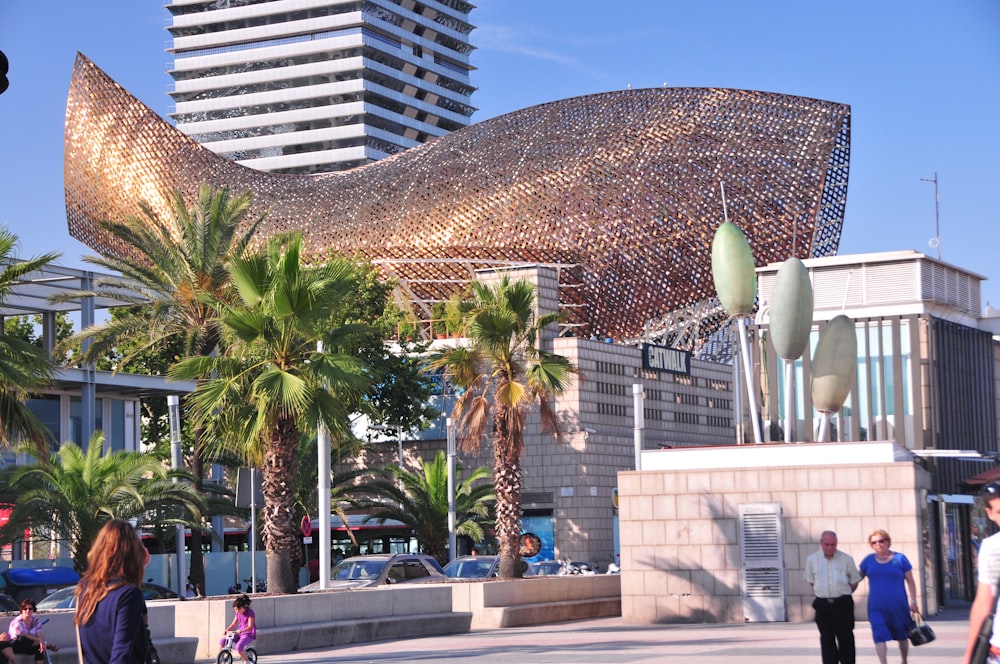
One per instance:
(681,549)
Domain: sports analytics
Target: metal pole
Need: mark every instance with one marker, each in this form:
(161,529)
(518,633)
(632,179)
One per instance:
(176,463)
(451,490)
(639,422)
(936,242)
(747,368)
(789,398)
(323,489)
(824,426)
(323,518)
(399,440)
(253,528)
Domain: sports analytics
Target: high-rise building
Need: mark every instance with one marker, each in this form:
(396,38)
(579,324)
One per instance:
(308,86)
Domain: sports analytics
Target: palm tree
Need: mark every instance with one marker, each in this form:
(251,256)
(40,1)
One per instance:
(344,486)
(73,493)
(273,385)
(502,360)
(420,500)
(24,367)
(175,288)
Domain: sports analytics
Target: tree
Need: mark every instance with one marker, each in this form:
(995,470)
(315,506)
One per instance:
(127,356)
(400,390)
(73,493)
(502,360)
(344,487)
(175,288)
(27,327)
(420,500)
(24,367)
(272,384)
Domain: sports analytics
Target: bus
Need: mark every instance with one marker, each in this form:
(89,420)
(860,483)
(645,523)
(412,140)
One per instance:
(365,537)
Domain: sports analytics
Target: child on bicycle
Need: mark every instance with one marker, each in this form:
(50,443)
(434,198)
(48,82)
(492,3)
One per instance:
(244,625)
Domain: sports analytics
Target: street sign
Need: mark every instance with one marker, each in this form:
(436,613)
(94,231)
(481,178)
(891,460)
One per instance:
(307,526)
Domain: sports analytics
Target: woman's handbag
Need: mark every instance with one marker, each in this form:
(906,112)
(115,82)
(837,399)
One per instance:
(920,633)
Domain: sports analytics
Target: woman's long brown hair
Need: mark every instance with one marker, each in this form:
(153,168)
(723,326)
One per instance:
(116,559)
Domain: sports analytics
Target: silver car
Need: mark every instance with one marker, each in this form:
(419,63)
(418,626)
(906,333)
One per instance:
(381,569)
(478,567)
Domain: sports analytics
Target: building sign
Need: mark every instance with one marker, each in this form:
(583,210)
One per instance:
(661,358)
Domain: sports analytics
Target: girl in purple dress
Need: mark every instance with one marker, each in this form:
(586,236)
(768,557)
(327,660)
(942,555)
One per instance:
(244,625)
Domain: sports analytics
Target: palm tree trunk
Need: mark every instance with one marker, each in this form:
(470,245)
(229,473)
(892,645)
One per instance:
(507,486)
(280,533)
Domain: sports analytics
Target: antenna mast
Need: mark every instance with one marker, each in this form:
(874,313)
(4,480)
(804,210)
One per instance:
(935,242)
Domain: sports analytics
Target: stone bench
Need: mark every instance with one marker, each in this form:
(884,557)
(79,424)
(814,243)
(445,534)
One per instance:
(171,649)
(538,600)
(285,638)
(520,615)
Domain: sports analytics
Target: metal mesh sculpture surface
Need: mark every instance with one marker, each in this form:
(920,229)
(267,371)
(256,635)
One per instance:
(619,191)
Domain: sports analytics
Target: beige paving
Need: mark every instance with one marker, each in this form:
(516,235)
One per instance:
(608,640)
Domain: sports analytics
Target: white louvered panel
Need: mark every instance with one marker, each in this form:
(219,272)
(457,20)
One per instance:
(829,286)
(762,569)
(952,287)
(891,282)
(763,582)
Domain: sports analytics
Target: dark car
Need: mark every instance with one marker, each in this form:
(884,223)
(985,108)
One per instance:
(382,569)
(65,598)
(36,582)
(478,567)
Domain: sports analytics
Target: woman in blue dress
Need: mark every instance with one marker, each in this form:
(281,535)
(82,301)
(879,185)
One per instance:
(889,576)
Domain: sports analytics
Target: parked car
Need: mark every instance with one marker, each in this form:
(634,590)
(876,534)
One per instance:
(8,605)
(36,582)
(563,568)
(382,569)
(545,567)
(66,599)
(478,567)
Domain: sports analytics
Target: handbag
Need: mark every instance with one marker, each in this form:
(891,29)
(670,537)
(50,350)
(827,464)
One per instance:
(920,632)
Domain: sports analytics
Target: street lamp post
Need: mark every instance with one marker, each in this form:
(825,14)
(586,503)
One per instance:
(176,463)
(451,489)
(323,490)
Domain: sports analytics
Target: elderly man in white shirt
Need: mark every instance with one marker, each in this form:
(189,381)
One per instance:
(833,576)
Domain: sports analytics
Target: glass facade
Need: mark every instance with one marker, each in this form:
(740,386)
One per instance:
(884,381)
(62,415)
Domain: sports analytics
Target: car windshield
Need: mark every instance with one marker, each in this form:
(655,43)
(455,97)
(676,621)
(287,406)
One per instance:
(60,599)
(546,567)
(358,569)
(469,568)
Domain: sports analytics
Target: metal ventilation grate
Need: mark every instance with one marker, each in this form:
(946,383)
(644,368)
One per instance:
(762,570)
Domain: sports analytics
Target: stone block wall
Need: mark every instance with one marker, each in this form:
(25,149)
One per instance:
(681,556)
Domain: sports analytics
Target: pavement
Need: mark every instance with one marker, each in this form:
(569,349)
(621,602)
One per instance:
(606,640)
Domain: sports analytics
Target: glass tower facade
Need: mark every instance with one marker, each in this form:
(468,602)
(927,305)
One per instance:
(310,86)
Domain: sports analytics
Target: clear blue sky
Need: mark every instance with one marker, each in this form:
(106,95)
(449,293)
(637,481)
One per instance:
(922,79)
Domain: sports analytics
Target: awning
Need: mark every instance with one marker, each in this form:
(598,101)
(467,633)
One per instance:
(985,477)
